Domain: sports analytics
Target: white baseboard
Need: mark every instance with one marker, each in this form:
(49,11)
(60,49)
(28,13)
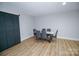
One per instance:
(26,38)
(60,37)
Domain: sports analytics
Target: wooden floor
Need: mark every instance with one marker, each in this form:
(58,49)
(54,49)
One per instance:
(32,47)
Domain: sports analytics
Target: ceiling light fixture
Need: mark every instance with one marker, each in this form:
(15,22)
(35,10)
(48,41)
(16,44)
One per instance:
(64,3)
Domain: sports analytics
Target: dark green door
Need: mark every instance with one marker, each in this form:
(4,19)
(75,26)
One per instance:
(16,29)
(9,30)
(3,41)
(13,33)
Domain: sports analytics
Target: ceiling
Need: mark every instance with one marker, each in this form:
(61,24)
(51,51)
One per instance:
(41,8)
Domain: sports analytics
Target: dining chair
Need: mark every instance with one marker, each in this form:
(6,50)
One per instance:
(56,34)
(48,30)
(38,35)
(34,32)
(44,35)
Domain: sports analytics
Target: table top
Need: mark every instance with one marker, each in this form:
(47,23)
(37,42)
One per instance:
(49,32)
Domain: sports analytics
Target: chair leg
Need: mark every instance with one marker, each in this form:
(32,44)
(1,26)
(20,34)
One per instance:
(49,41)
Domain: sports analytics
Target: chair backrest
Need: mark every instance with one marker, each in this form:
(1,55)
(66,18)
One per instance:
(34,31)
(44,35)
(38,34)
(49,30)
(56,33)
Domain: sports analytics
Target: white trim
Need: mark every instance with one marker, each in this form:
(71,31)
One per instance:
(67,38)
(60,37)
(26,38)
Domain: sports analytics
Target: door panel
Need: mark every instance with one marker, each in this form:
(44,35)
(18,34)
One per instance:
(3,41)
(9,30)
(13,35)
(16,29)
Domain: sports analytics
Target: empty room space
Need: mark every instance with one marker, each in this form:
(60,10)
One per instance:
(39,29)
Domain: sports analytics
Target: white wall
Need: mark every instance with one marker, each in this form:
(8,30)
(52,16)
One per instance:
(66,23)
(26,26)
(25,21)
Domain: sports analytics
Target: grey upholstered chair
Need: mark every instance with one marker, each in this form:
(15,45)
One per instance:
(49,30)
(38,35)
(43,34)
(34,32)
